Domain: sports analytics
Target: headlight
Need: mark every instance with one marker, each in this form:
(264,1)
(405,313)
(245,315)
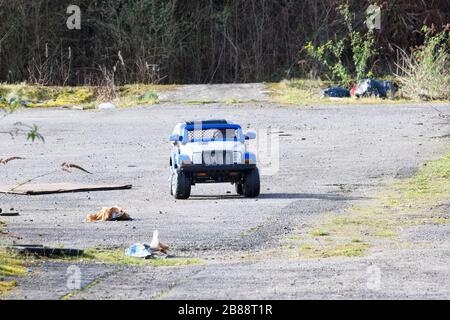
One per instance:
(197,158)
(237,157)
(186,162)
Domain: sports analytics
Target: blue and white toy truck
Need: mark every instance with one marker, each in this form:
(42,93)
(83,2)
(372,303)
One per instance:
(212,151)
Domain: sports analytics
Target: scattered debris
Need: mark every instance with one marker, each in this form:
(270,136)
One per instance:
(41,250)
(371,87)
(6,160)
(139,250)
(156,245)
(336,92)
(49,188)
(106,106)
(67,166)
(146,251)
(8,214)
(77,108)
(109,214)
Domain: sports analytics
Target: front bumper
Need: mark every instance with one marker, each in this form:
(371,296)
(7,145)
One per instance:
(200,173)
(215,169)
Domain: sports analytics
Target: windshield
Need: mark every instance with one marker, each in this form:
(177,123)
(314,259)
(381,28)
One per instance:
(212,133)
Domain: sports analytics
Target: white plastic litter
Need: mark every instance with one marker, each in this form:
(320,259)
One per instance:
(156,245)
(106,106)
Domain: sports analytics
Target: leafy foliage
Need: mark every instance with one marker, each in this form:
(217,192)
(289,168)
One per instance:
(333,52)
(180,41)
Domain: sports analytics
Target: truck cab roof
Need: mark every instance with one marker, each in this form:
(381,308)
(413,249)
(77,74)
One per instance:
(208,122)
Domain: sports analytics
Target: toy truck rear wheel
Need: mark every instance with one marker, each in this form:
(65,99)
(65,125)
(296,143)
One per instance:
(251,185)
(181,186)
(171,182)
(239,188)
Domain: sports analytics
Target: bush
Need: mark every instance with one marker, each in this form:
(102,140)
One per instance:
(333,53)
(425,71)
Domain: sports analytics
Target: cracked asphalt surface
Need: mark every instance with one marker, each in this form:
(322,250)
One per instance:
(330,157)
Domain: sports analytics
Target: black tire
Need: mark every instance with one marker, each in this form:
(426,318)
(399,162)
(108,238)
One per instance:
(171,183)
(181,186)
(239,188)
(252,184)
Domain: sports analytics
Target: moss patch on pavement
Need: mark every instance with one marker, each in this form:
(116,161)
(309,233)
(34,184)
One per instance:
(10,266)
(407,202)
(117,256)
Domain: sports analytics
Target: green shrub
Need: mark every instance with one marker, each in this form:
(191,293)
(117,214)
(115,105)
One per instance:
(331,54)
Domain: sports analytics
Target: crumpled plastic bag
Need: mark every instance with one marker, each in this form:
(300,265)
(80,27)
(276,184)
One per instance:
(139,250)
(143,250)
(336,92)
(109,214)
(371,87)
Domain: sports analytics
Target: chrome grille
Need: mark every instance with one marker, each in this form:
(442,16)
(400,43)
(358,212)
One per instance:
(217,157)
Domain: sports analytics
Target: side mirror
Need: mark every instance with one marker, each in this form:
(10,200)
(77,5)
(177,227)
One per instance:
(250,135)
(175,138)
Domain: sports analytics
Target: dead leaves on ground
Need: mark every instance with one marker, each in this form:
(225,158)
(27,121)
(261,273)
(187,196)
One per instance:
(68,166)
(6,160)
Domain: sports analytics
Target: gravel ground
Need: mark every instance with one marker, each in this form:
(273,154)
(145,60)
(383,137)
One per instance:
(330,157)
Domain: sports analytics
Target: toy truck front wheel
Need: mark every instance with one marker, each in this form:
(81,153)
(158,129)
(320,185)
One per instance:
(180,185)
(251,186)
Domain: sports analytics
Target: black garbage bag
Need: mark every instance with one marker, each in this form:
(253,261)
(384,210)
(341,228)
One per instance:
(378,88)
(336,92)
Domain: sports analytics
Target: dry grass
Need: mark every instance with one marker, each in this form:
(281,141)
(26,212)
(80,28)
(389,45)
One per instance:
(304,92)
(425,72)
(36,96)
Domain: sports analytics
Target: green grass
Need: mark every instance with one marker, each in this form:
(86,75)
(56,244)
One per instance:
(10,265)
(345,250)
(117,256)
(432,180)
(201,101)
(296,238)
(6,286)
(319,233)
(352,249)
(406,203)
